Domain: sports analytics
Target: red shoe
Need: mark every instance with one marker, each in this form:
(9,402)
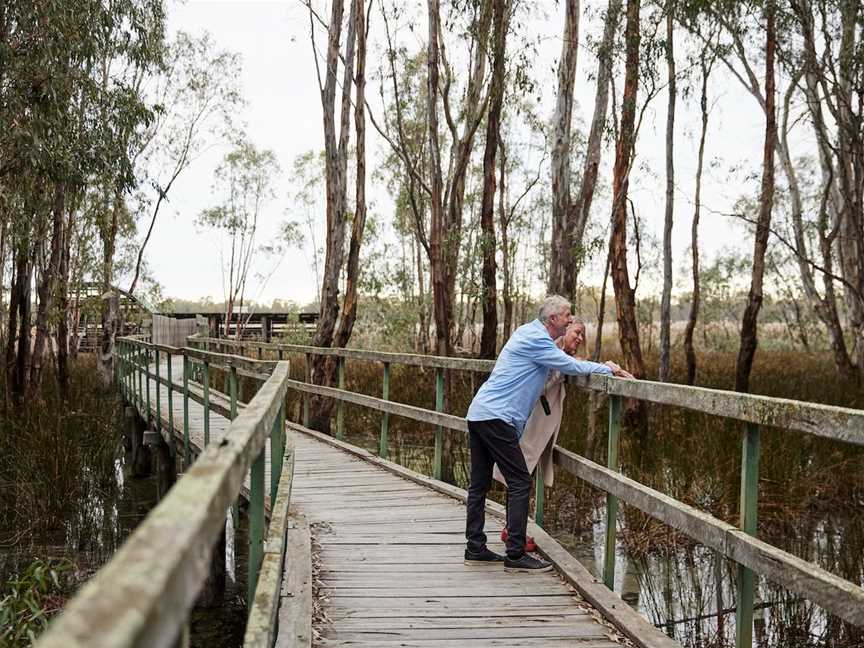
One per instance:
(530,545)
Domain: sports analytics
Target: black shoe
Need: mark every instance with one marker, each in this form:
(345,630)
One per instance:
(526,563)
(485,558)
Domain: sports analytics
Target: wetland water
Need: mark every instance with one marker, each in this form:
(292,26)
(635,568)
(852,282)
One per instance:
(108,503)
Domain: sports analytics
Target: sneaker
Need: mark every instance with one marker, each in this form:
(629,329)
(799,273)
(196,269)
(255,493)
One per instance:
(530,545)
(526,563)
(485,558)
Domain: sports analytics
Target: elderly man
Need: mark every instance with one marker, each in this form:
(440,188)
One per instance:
(496,419)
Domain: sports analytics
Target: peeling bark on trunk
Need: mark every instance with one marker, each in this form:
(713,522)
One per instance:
(749,339)
(580,210)
(625,303)
(349,305)
(47,288)
(336,162)
(561,243)
(489,336)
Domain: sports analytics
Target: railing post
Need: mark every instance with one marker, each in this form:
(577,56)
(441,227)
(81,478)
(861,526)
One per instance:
(749,525)
(612,500)
(277,451)
(187,455)
(206,384)
(439,431)
(256,524)
(539,494)
(158,395)
(232,390)
(170,380)
(139,374)
(147,379)
(383,442)
(306,396)
(340,405)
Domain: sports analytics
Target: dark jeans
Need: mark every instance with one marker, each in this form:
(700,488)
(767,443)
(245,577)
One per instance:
(495,442)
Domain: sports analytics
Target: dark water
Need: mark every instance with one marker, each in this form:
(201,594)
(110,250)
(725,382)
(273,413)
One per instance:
(111,503)
(811,504)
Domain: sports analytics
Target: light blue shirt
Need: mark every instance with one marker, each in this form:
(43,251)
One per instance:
(520,372)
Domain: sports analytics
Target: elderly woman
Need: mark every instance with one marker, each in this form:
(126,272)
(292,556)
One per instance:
(541,429)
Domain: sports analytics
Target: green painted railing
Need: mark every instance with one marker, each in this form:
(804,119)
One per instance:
(740,544)
(144,594)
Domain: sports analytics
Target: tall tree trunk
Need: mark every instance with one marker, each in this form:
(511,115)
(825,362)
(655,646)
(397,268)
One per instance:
(666,301)
(442,307)
(65,307)
(47,285)
(625,301)
(689,352)
(580,210)
(349,305)
(749,339)
(18,341)
(108,233)
(561,240)
(489,337)
(336,157)
(506,272)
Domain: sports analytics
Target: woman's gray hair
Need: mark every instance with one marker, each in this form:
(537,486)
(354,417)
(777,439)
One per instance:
(551,305)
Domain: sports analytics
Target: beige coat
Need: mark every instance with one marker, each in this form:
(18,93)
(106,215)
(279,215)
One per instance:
(541,431)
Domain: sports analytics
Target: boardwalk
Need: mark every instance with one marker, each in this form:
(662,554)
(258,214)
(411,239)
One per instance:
(390,551)
(387,541)
(392,570)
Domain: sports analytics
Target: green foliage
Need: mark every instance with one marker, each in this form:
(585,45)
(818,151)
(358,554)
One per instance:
(29,600)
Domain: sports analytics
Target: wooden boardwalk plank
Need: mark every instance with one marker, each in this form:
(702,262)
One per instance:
(392,572)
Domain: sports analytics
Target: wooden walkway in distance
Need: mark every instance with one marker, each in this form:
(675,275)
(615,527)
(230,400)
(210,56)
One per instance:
(390,552)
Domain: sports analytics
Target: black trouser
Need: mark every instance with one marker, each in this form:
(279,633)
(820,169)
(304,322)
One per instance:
(495,442)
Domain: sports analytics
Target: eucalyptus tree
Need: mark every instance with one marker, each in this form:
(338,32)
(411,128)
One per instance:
(65,124)
(245,180)
(196,97)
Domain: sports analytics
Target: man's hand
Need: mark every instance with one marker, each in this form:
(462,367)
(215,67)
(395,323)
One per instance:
(618,372)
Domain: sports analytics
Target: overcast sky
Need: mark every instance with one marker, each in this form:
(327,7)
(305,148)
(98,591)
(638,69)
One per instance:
(283,113)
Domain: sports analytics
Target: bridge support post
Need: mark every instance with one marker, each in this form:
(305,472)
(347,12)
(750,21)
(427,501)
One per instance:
(141,458)
(340,405)
(749,519)
(165,466)
(213,591)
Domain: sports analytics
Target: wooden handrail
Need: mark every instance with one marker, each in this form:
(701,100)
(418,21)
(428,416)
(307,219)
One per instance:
(835,594)
(827,421)
(143,595)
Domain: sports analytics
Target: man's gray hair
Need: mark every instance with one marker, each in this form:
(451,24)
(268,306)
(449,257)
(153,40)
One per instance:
(551,305)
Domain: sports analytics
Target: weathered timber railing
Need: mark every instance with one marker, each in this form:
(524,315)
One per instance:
(740,544)
(144,595)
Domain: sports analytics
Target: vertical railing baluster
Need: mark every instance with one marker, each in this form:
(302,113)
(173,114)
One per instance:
(260,353)
(147,378)
(340,405)
(438,458)
(158,394)
(383,441)
(232,390)
(169,378)
(187,454)
(277,451)
(306,396)
(749,525)
(612,500)
(139,374)
(539,494)
(206,384)
(279,353)
(256,523)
